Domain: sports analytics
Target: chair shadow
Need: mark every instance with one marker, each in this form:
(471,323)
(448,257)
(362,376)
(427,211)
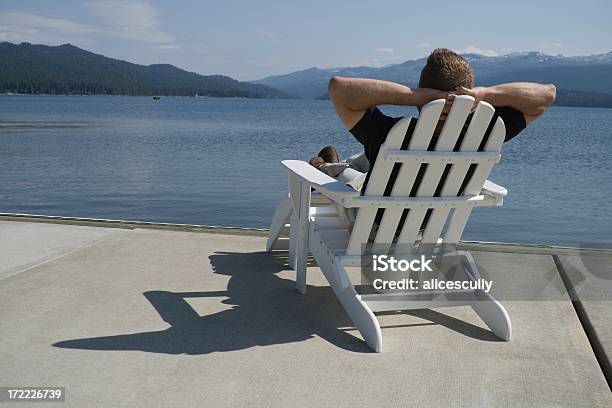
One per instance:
(265,310)
(457,325)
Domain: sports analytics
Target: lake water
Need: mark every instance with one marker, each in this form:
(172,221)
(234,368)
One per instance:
(217,162)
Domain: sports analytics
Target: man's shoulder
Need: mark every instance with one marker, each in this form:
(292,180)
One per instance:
(372,130)
(374,118)
(514,120)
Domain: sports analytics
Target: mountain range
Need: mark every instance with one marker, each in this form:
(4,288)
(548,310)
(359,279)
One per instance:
(581,80)
(66,69)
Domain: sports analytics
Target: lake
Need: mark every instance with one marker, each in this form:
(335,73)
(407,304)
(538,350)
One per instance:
(217,162)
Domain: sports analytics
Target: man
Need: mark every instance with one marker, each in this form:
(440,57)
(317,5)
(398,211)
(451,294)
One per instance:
(445,75)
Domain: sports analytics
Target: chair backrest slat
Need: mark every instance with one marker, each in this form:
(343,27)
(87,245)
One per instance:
(435,170)
(438,177)
(475,133)
(406,177)
(379,176)
(460,215)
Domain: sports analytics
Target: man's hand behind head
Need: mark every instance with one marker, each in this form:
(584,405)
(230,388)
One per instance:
(477,93)
(531,99)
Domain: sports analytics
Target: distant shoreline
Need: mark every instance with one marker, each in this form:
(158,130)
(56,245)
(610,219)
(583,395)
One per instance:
(135,96)
(560,105)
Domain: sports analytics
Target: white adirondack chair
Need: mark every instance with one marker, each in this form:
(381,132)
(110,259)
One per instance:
(316,227)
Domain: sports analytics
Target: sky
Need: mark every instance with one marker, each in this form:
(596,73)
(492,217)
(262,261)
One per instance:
(249,40)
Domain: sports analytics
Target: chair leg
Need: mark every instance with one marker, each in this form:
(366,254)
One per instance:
(359,312)
(293,233)
(494,315)
(301,264)
(302,229)
(280,218)
(363,318)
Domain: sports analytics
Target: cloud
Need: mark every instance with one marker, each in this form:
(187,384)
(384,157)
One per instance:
(470,49)
(267,33)
(424,45)
(372,62)
(380,60)
(33,28)
(550,47)
(59,24)
(384,50)
(134,20)
(168,47)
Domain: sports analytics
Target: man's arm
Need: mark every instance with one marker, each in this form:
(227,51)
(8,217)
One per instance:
(529,98)
(353,96)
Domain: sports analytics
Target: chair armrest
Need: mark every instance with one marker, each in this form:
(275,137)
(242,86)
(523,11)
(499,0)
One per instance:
(343,194)
(491,189)
(326,185)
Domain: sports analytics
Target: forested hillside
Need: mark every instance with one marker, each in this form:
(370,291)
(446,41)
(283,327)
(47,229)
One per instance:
(66,69)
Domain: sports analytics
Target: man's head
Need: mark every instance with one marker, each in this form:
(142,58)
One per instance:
(445,70)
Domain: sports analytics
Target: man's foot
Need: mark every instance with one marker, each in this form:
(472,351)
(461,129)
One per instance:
(317,162)
(329,154)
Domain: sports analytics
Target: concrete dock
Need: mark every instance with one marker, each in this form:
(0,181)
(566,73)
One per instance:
(142,316)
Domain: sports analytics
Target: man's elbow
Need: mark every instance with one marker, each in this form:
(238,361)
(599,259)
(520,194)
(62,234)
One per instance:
(551,94)
(334,86)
